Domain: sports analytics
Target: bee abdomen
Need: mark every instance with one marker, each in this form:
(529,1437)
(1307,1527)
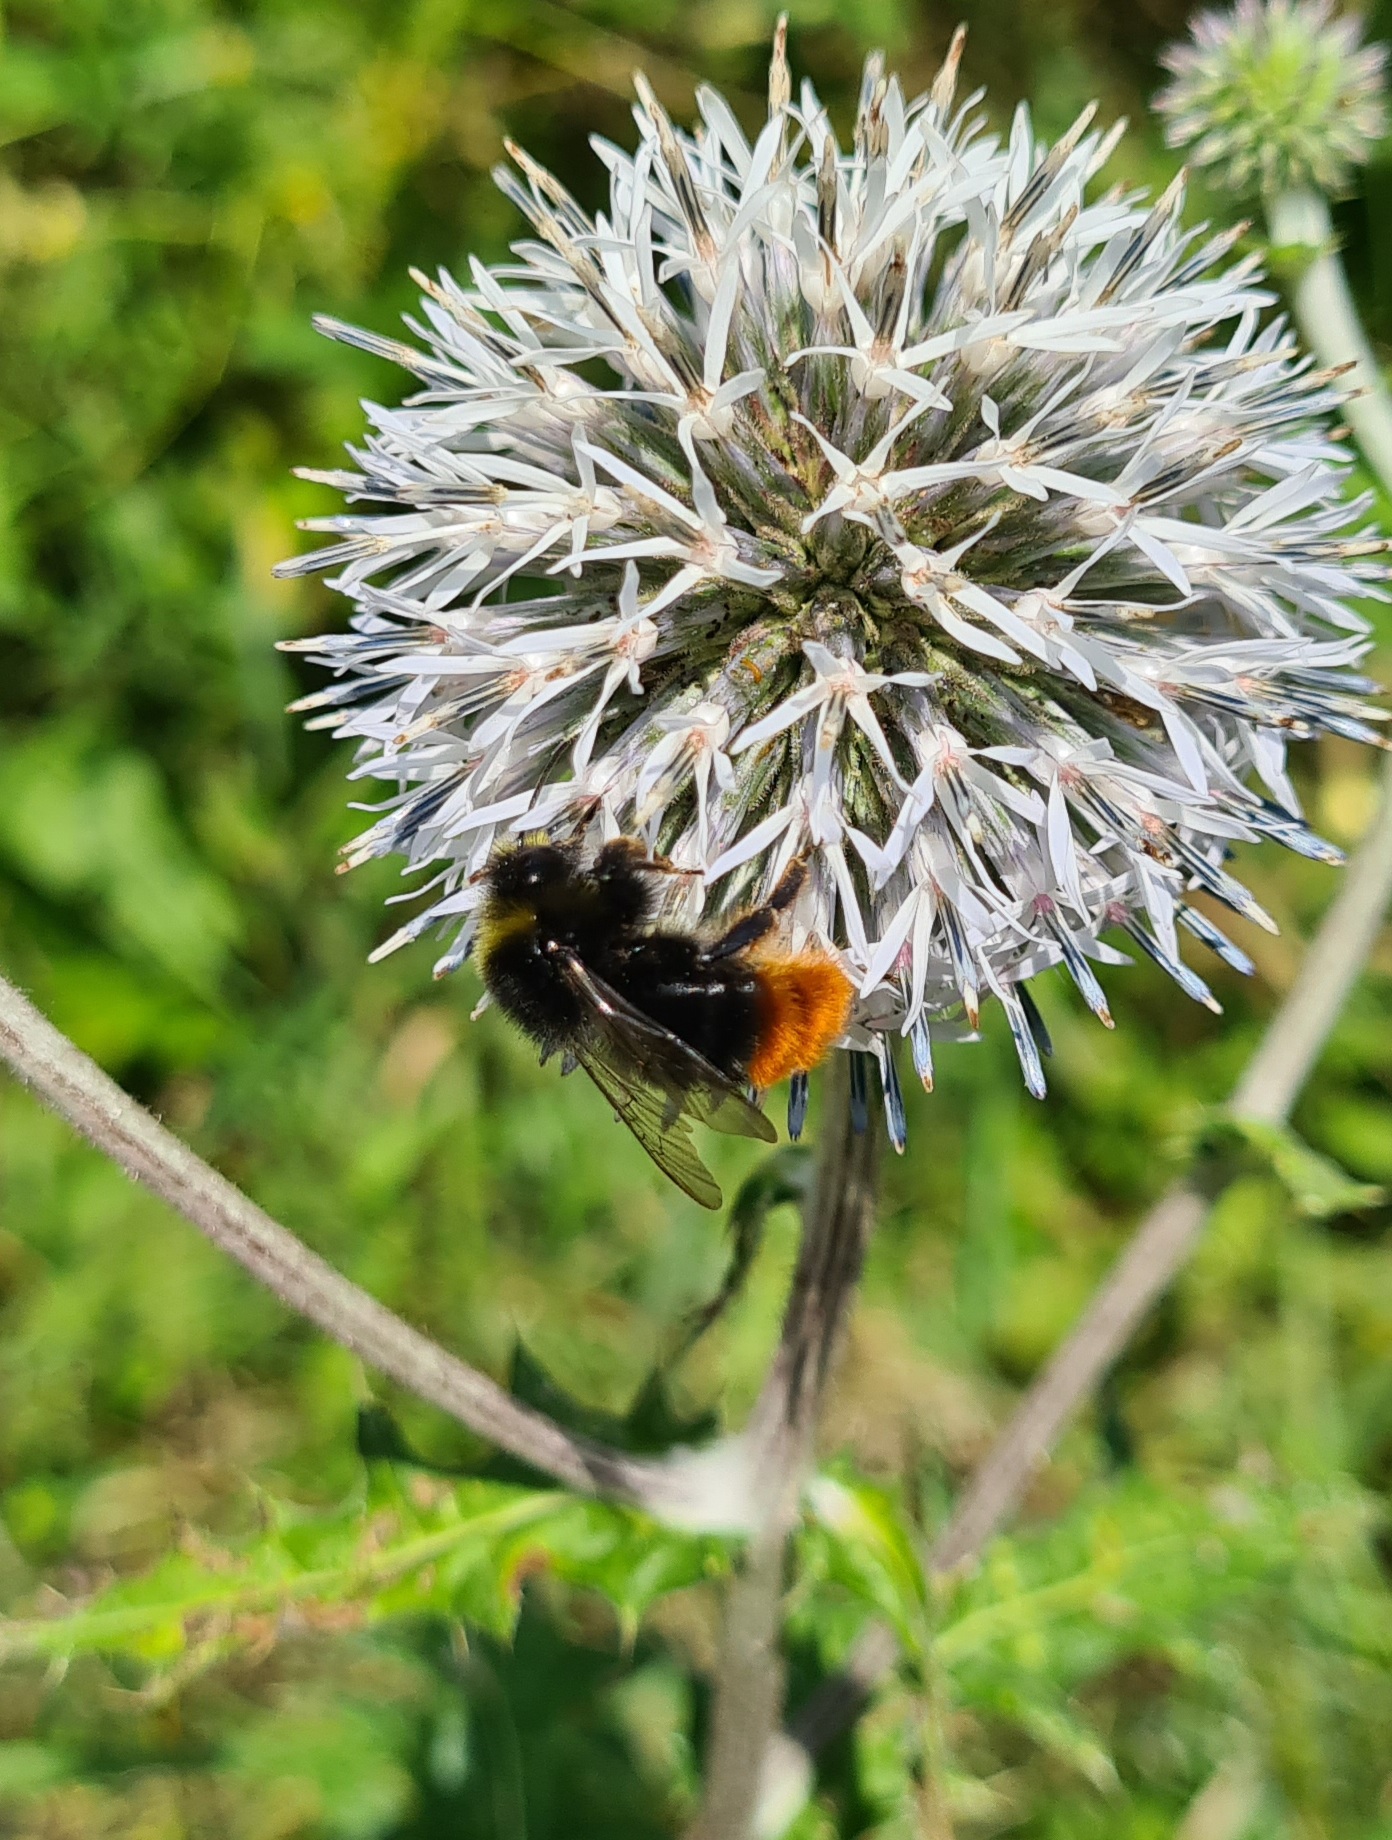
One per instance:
(803,1004)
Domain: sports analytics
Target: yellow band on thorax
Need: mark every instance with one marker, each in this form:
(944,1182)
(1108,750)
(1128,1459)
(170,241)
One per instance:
(501,923)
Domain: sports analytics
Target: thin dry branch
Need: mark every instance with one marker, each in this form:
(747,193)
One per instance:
(1153,1256)
(1265,1094)
(706,1489)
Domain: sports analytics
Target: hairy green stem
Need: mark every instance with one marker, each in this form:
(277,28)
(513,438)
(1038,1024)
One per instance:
(708,1490)
(837,1221)
(1299,220)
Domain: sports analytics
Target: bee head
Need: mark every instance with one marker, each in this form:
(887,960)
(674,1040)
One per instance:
(626,878)
(528,870)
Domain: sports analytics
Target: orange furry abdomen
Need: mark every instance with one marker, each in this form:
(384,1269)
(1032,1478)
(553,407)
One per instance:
(803,1005)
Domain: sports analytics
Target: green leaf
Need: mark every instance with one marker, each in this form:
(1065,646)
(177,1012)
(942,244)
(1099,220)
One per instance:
(1061,1734)
(380,1561)
(779,1179)
(79,820)
(27,1769)
(1316,1184)
(651,1424)
(345,1756)
(870,1550)
(462,1551)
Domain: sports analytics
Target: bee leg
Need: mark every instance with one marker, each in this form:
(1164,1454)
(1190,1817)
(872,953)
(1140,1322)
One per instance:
(582,815)
(760,921)
(625,855)
(748,930)
(619,856)
(661,865)
(790,885)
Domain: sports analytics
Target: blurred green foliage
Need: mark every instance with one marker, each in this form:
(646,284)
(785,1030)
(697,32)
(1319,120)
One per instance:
(1192,1632)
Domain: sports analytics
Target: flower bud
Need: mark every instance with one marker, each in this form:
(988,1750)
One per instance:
(1275,95)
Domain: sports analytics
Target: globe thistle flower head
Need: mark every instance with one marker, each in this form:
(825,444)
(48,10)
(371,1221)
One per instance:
(901,507)
(1276,94)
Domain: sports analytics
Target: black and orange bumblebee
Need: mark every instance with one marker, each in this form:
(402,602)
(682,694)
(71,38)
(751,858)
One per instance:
(672,1025)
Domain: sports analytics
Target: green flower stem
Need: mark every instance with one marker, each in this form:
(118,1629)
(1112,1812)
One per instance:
(1299,220)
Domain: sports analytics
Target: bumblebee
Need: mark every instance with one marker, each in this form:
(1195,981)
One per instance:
(672,1025)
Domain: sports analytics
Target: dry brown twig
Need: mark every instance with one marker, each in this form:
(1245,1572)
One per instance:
(710,1489)
(1265,1094)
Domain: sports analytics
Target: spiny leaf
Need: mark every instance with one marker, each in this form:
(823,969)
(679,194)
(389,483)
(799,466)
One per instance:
(462,1551)
(1316,1184)
(867,1548)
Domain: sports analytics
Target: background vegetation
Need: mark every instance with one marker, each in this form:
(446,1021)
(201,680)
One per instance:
(1191,1633)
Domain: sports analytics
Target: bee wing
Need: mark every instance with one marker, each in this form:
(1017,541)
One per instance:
(657,1084)
(687,1080)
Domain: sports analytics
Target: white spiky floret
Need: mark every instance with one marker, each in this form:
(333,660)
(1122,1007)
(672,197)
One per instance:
(1274,94)
(904,507)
